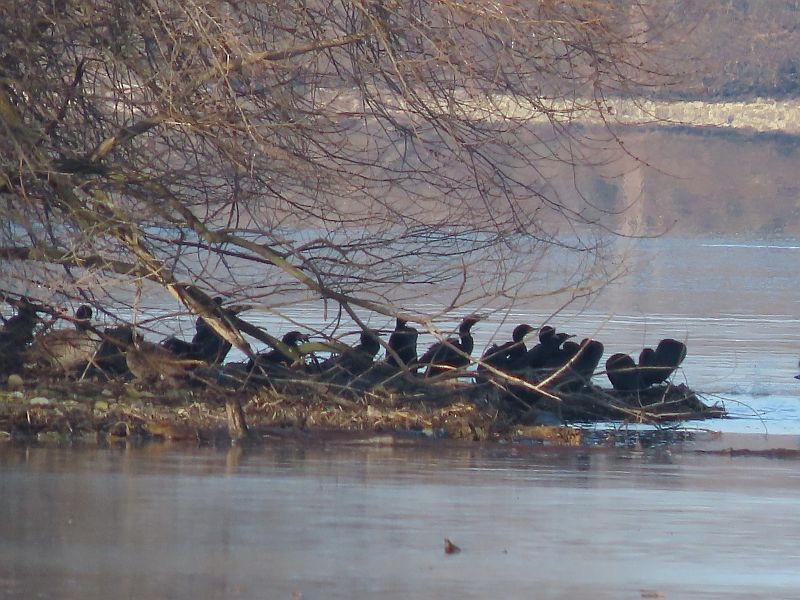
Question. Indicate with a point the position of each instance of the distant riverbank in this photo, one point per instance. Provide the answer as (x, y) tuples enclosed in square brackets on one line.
[(760, 115)]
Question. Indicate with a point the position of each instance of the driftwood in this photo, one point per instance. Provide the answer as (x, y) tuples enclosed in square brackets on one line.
[(519, 402), (361, 394), (299, 402), (785, 453), (659, 404)]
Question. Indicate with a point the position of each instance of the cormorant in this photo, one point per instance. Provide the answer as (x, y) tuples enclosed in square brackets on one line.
[(589, 358), (546, 353), (369, 343), (668, 356), (357, 359), (264, 360), (110, 356), (579, 364), (211, 347), (509, 356), (16, 334), (403, 341), (18, 329), (206, 345), (83, 317), (647, 367), (656, 366), (180, 348), (623, 373), (452, 353)]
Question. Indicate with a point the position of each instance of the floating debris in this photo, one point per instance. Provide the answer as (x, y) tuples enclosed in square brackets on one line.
[(450, 547)]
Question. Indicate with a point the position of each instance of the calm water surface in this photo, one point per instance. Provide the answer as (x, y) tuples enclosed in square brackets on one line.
[(734, 303), (328, 520), (345, 520)]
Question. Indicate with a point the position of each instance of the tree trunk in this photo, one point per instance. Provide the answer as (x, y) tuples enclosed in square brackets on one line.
[(237, 426)]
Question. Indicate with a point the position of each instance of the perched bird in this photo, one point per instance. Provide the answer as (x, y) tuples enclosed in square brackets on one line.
[(545, 354), (656, 366), (403, 341), (589, 358), (369, 343), (452, 353), (668, 356), (579, 364), (211, 346), (206, 345), (110, 356), (83, 317), (67, 350), (647, 367), (509, 356), (153, 363), (355, 360), (264, 360), (180, 348), (19, 328), (623, 373), (16, 334)]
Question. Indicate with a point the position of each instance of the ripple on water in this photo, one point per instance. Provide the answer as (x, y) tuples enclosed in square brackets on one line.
[(343, 521)]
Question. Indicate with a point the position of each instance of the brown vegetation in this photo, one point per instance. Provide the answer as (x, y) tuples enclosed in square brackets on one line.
[(98, 411), (359, 152), (348, 150)]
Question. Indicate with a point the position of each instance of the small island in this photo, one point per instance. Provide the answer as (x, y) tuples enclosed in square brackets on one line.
[(81, 382)]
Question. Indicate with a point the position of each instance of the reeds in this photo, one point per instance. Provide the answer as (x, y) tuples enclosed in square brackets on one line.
[(373, 402)]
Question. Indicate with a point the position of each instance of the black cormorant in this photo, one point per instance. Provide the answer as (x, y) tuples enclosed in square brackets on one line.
[(403, 341), (180, 348), (110, 356), (590, 356), (546, 354), (211, 346), (265, 360), (623, 373), (356, 360), (16, 334), (206, 345), (656, 366), (579, 364), (510, 356), (452, 353), (646, 367)]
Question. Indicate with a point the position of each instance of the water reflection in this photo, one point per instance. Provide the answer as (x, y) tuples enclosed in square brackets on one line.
[(334, 520), (732, 301)]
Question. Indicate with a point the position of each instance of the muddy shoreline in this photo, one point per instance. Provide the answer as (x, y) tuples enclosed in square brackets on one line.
[(112, 411)]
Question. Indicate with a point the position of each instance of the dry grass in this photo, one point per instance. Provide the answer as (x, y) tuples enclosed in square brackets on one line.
[(97, 411)]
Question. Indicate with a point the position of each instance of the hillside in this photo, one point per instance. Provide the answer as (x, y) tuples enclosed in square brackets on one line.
[(726, 161)]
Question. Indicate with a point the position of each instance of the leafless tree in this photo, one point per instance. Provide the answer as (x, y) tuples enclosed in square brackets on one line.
[(359, 151)]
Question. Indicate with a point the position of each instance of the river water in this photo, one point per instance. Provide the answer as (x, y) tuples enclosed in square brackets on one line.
[(325, 519), (733, 302), (368, 519)]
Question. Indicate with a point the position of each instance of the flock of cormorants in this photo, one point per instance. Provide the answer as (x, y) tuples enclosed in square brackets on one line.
[(555, 363)]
